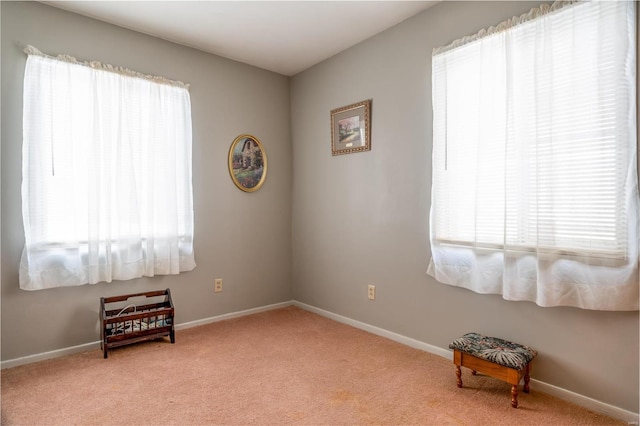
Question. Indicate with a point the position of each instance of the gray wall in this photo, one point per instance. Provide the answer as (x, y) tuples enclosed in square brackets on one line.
[(362, 218), (357, 219), (232, 227)]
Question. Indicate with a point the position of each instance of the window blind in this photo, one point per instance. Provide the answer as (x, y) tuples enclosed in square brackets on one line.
[(106, 190), (534, 138), (535, 181)]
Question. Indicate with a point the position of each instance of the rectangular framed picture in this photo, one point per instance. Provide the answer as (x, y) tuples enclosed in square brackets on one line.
[(351, 128)]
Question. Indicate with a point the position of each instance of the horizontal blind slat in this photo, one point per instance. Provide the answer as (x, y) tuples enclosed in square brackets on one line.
[(560, 177)]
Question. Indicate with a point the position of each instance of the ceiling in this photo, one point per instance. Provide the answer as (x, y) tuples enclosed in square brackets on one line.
[(286, 37)]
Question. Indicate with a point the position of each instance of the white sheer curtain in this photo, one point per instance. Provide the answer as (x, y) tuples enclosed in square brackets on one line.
[(106, 190), (535, 187)]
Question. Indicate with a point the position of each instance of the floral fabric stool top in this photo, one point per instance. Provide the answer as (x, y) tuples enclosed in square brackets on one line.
[(494, 357)]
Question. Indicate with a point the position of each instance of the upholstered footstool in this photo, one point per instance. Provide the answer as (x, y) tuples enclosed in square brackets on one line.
[(494, 357)]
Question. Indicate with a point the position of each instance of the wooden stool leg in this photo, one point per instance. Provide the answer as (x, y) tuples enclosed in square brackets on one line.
[(514, 396), (459, 376), (526, 380)]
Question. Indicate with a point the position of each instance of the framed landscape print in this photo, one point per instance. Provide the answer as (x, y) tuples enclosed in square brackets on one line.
[(247, 163), (351, 128)]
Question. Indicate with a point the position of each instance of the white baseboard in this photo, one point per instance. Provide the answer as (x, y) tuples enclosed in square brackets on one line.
[(233, 315), (581, 400), (564, 394), (96, 345), (589, 403), (49, 355), (408, 341)]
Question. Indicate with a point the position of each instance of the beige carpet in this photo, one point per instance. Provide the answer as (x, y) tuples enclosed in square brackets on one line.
[(286, 366)]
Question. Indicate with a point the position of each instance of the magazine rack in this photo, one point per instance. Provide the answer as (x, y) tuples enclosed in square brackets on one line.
[(125, 321)]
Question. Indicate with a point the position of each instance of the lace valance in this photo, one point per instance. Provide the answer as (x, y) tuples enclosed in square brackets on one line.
[(30, 50), (536, 12)]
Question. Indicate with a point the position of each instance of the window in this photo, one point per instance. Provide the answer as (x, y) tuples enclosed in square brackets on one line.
[(106, 188), (535, 192)]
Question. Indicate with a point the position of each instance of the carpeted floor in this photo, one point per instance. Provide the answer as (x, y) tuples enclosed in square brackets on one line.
[(286, 366)]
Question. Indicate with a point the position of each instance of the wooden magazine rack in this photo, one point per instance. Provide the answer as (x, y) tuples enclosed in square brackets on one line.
[(125, 321)]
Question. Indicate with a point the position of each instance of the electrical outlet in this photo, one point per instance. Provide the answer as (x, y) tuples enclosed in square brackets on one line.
[(217, 285), (371, 292)]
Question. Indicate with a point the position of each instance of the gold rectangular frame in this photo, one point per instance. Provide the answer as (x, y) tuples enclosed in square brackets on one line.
[(351, 128)]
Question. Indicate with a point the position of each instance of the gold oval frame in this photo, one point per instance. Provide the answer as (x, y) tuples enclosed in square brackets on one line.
[(243, 160)]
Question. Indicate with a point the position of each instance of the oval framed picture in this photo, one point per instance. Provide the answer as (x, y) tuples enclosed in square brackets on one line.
[(247, 163)]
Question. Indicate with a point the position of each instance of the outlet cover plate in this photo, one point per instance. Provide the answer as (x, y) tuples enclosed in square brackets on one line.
[(371, 292)]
